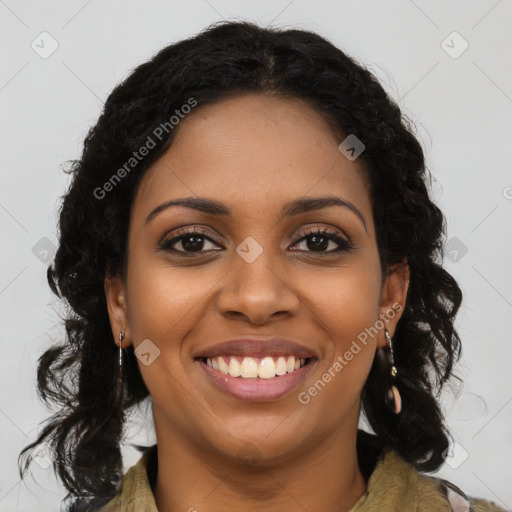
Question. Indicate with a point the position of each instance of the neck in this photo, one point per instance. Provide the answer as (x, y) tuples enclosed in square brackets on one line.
[(326, 476)]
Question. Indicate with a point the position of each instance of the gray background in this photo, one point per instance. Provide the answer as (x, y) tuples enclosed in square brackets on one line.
[(460, 101)]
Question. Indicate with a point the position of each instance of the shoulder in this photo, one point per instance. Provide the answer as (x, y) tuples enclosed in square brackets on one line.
[(481, 505), (460, 501), (456, 498), (394, 483), (134, 492)]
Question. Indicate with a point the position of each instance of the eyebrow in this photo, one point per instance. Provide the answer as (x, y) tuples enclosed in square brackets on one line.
[(296, 207)]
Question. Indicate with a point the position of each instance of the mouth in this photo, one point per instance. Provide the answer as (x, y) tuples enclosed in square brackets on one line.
[(266, 367), (256, 379)]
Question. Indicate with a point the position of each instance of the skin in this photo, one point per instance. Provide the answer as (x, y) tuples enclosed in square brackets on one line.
[(254, 153)]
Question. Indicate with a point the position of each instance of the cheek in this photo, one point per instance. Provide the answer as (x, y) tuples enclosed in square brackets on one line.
[(344, 305), (346, 300), (164, 304), (162, 298), (160, 315)]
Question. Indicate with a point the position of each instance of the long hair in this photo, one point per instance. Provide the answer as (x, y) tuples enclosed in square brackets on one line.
[(78, 375)]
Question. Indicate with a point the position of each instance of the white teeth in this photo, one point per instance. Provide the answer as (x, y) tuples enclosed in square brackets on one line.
[(223, 367), (281, 366), (267, 368), (250, 369), (234, 367)]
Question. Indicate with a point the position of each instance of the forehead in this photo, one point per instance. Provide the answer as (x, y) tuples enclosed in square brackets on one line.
[(254, 151)]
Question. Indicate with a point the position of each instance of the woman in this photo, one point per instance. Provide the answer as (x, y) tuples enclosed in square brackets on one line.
[(248, 240)]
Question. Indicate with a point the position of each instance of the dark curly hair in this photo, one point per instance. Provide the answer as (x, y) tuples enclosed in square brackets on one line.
[(229, 58)]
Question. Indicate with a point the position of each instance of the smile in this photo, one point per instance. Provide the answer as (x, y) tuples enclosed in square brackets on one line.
[(256, 367), (257, 379)]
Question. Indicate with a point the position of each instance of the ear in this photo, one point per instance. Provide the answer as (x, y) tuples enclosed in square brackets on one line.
[(115, 295), (393, 297)]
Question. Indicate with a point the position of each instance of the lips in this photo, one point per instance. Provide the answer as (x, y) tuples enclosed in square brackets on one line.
[(257, 347)]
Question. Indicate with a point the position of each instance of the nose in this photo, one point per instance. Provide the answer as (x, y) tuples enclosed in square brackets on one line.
[(257, 291)]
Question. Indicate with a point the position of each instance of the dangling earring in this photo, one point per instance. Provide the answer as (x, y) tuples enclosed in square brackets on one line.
[(394, 399), (120, 367)]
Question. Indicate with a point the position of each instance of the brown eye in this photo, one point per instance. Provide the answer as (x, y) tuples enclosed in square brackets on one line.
[(192, 241), (318, 240)]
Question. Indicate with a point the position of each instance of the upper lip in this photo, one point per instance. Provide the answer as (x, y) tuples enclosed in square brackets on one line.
[(257, 347)]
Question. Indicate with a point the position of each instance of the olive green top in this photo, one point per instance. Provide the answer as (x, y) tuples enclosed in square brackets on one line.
[(393, 485)]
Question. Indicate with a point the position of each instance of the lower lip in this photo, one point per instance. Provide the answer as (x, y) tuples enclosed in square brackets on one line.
[(256, 389)]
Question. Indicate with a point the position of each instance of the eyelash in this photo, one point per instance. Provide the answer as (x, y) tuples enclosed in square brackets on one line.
[(344, 243)]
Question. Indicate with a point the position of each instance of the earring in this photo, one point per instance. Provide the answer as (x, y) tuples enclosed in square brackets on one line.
[(120, 367), (394, 399)]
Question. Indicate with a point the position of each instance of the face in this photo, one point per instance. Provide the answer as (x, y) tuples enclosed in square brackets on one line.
[(311, 275)]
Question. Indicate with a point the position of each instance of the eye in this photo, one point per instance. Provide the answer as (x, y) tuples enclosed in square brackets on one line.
[(320, 238), (316, 241), (191, 241)]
